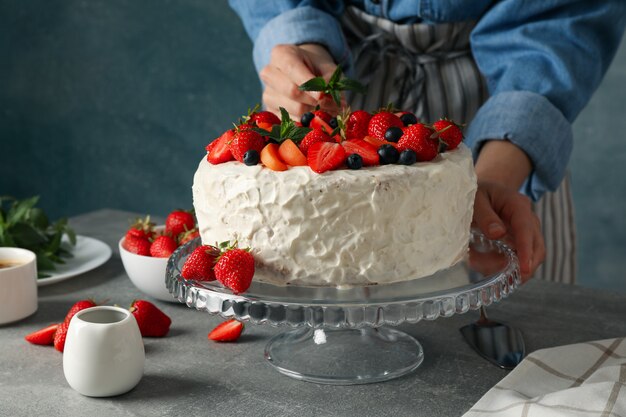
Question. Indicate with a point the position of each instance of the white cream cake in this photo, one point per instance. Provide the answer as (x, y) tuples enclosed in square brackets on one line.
[(375, 225)]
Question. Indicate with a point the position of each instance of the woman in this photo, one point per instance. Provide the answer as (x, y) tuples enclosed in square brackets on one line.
[(517, 73)]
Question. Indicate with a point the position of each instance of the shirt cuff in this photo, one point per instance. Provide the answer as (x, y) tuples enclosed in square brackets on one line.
[(531, 122), (298, 26)]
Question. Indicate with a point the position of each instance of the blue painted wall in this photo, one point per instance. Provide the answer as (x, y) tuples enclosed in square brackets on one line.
[(110, 104)]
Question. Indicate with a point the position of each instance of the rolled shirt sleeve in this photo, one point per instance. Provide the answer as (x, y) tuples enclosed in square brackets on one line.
[(271, 23), (542, 61)]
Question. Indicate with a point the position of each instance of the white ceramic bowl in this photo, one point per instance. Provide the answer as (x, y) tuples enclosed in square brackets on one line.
[(147, 273)]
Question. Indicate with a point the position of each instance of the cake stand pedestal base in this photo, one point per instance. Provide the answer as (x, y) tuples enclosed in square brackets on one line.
[(344, 356)]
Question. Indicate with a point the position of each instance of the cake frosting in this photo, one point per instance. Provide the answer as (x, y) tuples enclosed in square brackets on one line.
[(375, 225)]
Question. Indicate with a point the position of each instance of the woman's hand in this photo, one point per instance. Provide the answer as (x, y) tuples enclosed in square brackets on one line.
[(289, 67), (500, 211)]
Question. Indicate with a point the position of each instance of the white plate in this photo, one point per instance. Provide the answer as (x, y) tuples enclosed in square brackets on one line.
[(88, 254)]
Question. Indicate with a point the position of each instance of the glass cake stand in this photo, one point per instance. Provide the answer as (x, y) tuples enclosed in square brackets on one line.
[(339, 335)]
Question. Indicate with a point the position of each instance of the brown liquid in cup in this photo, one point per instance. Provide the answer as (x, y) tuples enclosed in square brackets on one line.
[(8, 263)]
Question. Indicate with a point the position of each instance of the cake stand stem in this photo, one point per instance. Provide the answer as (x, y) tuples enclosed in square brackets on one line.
[(344, 356)]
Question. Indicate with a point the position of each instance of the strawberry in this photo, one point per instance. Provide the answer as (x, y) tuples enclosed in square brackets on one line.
[(228, 331), (152, 321), (137, 245), (199, 265), (78, 306), (418, 137), (218, 150), (319, 123), (179, 221), (264, 119), (235, 269), (244, 140), (325, 116), (44, 336), (314, 136), (380, 122), (141, 228), (368, 152), (324, 156), (449, 133), (188, 236), (60, 335), (163, 246), (357, 125)]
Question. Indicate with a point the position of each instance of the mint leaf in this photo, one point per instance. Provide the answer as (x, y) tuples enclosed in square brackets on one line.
[(314, 84), (335, 77), (352, 85)]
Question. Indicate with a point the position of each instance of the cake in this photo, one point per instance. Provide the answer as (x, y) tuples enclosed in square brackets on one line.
[(343, 227)]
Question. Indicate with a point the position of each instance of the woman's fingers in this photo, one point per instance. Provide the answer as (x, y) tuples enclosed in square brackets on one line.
[(281, 85), (485, 217), (499, 207)]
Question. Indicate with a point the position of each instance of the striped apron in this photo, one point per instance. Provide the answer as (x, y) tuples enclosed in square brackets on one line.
[(429, 69)]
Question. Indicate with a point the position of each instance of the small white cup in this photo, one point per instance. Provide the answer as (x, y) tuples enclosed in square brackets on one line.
[(104, 354), (18, 284)]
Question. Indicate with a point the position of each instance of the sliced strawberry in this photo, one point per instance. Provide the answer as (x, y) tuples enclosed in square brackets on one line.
[(271, 158), (228, 331), (264, 119), (291, 154), (218, 150), (325, 156), (377, 143), (319, 123), (367, 151), (325, 116), (44, 336)]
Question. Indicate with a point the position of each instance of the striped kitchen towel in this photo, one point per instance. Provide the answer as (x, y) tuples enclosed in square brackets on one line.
[(585, 379)]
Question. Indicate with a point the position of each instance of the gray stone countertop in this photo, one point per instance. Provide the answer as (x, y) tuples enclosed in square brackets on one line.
[(185, 374)]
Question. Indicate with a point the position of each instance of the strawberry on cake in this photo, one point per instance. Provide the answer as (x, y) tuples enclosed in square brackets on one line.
[(358, 199)]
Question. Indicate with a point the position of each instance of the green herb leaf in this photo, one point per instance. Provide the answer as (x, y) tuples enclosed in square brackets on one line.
[(27, 236), (19, 210), (352, 85), (314, 84)]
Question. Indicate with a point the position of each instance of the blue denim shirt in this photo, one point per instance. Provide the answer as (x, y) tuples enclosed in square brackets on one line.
[(542, 60)]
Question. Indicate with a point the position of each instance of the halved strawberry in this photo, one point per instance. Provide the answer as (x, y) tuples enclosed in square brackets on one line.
[(228, 331), (291, 154), (271, 158), (325, 156), (377, 143), (264, 119), (321, 124), (44, 336), (367, 151), (218, 150)]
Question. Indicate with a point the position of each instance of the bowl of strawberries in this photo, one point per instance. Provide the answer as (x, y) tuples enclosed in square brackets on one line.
[(146, 247)]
